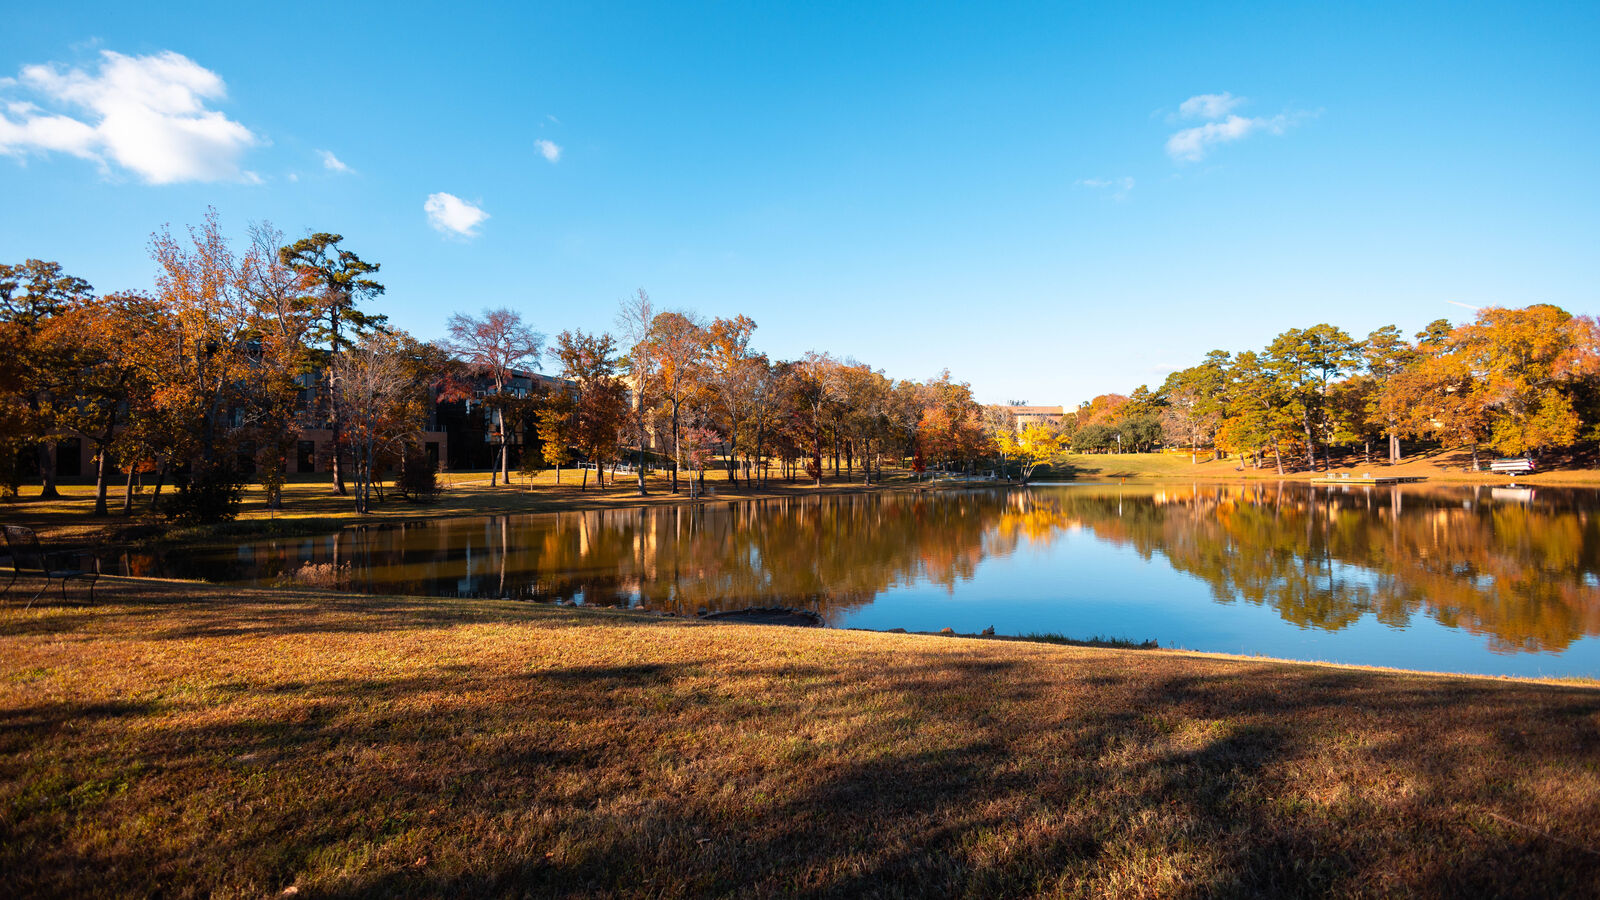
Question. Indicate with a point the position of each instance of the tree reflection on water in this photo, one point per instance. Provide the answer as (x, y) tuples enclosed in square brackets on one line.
[(1517, 567)]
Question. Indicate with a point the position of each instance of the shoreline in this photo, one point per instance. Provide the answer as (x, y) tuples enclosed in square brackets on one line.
[(246, 742), (1120, 645)]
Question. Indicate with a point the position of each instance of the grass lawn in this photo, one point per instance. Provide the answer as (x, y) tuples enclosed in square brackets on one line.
[(310, 504), (1441, 465), (188, 741)]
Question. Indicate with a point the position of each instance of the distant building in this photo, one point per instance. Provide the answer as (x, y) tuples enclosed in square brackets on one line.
[(456, 435), (1037, 415)]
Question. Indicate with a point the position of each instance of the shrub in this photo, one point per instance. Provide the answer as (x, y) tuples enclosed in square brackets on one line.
[(211, 496), (419, 480)]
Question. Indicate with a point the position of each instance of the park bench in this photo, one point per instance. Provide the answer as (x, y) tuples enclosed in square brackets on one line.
[(1518, 466), (29, 558)]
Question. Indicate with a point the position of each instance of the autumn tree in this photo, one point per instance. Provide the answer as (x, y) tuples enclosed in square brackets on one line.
[(1304, 361), (729, 378), (200, 369), (1034, 446), (1522, 358), (812, 392), (94, 347), (338, 280), (1196, 401), (769, 387), (1386, 354), (1441, 398), (495, 346), (677, 348), (1258, 415), (32, 293), (1353, 413), (600, 407), (557, 422)]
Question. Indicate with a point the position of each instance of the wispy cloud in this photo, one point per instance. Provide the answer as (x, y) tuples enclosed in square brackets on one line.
[(550, 150), (1119, 187), (1225, 126), (333, 163), (146, 114), (1209, 106), (1192, 144), (452, 215)]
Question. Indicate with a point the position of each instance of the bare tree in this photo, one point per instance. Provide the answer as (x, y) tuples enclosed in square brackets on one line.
[(284, 316), (496, 345), (633, 324), (371, 389)]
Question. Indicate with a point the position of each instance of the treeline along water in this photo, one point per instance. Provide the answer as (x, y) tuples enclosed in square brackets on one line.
[(1478, 579)]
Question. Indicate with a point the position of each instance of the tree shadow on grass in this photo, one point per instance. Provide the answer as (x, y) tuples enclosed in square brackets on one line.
[(968, 769)]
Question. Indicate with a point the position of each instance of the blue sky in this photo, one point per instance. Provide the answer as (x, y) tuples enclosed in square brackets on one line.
[(1053, 201)]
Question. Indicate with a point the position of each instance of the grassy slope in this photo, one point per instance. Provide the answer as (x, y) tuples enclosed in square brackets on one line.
[(351, 746), (1444, 465)]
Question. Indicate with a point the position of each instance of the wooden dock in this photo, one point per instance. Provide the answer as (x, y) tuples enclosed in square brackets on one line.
[(1370, 479)]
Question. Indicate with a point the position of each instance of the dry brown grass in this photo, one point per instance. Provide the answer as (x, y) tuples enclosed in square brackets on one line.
[(186, 741)]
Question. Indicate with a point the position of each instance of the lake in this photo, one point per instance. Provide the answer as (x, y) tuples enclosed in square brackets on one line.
[(1489, 580)]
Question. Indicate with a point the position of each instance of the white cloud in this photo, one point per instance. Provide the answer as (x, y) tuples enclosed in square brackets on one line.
[(550, 150), (1191, 144), (333, 163), (1209, 106), (146, 114), (1119, 187), (452, 215)]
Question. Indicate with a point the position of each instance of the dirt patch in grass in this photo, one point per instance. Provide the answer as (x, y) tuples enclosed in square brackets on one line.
[(189, 741)]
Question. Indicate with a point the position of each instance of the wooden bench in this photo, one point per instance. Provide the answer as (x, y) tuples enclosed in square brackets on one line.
[(29, 558), (1519, 466)]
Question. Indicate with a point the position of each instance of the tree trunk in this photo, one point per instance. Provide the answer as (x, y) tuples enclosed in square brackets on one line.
[(505, 450), (47, 470), (161, 479), (101, 472), (337, 465), (1278, 456), (674, 446), (1311, 446), (1394, 447), (127, 496), (639, 407)]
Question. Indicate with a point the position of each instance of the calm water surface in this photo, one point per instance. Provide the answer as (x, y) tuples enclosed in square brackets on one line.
[(1489, 580)]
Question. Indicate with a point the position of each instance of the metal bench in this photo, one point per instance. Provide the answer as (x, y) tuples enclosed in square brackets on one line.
[(29, 558), (1518, 466)]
